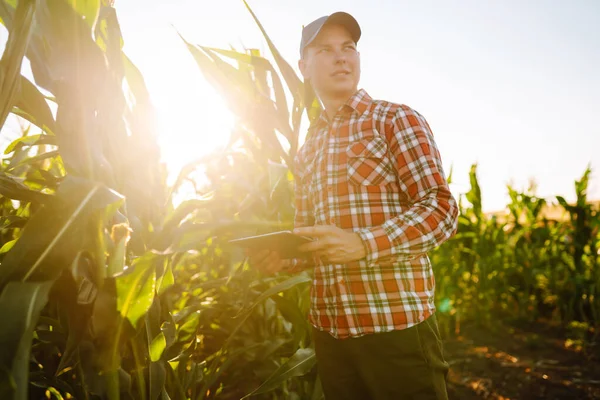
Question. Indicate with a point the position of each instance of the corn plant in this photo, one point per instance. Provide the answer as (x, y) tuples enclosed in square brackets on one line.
[(65, 243), (582, 247), (268, 130), (526, 266), (111, 292)]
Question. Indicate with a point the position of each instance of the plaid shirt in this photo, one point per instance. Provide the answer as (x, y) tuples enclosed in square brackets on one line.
[(374, 170)]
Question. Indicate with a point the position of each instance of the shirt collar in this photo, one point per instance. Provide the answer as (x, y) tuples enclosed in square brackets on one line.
[(359, 102)]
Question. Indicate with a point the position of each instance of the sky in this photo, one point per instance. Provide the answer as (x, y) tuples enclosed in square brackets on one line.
[(511, 85)]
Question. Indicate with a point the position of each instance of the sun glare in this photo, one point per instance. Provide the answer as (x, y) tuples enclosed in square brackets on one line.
[(193, 118)]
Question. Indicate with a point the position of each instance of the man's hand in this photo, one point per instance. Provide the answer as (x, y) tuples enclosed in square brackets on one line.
[(332, 244), (267, 261)]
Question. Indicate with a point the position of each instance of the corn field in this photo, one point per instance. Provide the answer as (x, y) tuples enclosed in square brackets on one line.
[(110, 290)]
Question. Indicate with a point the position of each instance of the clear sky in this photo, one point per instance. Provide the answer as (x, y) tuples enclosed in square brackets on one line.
[(512, 85)]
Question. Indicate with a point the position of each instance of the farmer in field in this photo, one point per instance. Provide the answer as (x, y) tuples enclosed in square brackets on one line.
[(371, 189)]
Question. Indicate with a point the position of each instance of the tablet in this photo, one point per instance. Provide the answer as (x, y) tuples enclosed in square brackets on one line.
[(283, 242)]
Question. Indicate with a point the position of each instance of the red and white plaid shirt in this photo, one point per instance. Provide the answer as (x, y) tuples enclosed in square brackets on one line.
[(375, 170)]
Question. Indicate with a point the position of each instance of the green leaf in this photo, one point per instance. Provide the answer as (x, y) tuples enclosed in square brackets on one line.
[(12, 58), (12, 221), (281, 287), (250, 59), (135, 295), (182, 211), (20, 306), (474, 194), (11, 3), (7, 13), (55, 393), (76, 304), (187, 330), (449, 178), (34, 159), (318, 390), (157, 376), (216, 76), (190, 237), (301, 363), (12, 188), (88, 9), (291, 79), (268, 349), (30, 140), (116, 261), (59, 230), (157, 347), (33, 107), (303, 94), (262, 66), (561, 200), (290, 311), (165, 281), (136, 81), (7, 246), (135, 291), (243, 96)]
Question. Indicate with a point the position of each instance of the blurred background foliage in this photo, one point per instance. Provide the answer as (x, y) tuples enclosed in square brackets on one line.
[(110, 289)]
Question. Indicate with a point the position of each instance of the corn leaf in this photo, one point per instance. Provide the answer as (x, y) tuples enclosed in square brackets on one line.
[(301, 363), (20, 306), (157, 347), (290, 77), (262, 65), (12, 188), (303, 94), (31, 105), (30, 140), (166, 280), (88, 9), (52, 238), (7, 12), (7, 246), (12, 58), (136, 290), (243, 96), (34, 159), (280, 287)]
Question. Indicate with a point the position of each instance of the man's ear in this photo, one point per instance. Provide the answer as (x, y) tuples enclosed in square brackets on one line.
[(302, 67)]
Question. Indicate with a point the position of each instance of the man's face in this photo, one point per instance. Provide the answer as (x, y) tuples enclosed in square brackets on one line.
[(332, 63)]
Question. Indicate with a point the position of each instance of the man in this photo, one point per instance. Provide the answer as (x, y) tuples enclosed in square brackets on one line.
[(371, 189)]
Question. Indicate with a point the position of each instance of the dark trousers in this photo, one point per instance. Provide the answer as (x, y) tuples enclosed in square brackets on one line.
[(402, 364)]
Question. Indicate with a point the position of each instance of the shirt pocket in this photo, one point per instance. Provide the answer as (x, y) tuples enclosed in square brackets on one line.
[(368, 163)]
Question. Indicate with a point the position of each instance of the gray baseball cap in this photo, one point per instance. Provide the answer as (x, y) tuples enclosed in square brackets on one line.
[(310, 31)]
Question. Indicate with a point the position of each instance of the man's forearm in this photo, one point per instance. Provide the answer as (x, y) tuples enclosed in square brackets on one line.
[(423, 227)]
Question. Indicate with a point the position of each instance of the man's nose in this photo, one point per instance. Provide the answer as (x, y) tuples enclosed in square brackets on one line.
[(339, 57)]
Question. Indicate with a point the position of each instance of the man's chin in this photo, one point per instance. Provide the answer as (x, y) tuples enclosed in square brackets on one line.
[(341, 90)]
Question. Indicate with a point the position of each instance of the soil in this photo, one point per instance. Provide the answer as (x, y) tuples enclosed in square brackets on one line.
[(522, 361)]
